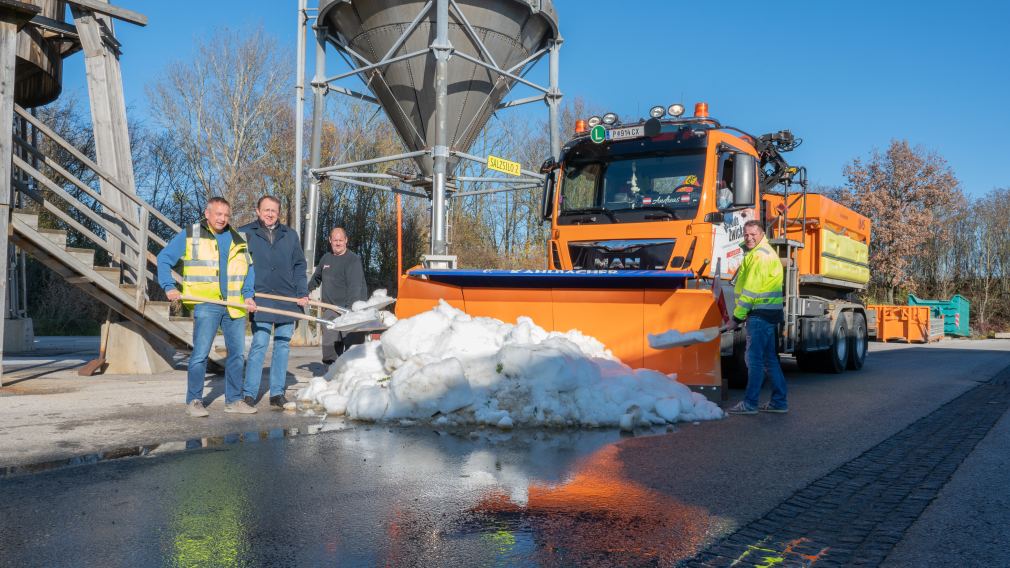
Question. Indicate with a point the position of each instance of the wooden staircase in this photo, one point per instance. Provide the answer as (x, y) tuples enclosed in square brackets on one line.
[(125, 234)]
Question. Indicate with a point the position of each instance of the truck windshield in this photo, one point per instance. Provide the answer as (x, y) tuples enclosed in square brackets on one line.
[(634, 189)]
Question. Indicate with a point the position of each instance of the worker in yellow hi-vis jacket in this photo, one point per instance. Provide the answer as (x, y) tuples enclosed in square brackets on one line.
[(758, 293)]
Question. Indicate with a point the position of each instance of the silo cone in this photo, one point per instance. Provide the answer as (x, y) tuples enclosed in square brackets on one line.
[(511, 30)]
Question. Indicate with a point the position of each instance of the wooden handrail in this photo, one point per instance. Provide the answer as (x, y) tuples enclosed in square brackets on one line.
[(114, 182), (126, 239), (80, 184)]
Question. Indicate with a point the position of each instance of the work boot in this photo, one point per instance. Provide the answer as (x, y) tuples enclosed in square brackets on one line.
[(239, 407), (196, 410), (250, 401), (278, 402)]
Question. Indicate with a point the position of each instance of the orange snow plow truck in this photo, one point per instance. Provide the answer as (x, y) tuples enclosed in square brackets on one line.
[(646, 232)]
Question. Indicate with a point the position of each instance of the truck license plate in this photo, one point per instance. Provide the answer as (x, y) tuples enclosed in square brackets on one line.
[(626, 132)]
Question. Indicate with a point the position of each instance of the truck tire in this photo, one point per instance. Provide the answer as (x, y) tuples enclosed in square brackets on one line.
[(836, 358), (858, 341), (734, 367)]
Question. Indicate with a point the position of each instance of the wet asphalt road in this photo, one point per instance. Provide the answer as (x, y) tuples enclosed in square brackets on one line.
[(370, 495)]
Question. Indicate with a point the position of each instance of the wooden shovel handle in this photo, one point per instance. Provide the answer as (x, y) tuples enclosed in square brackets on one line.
[(298, 315), (337, 309)]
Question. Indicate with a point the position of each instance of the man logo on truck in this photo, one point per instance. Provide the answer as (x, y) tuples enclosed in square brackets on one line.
[(616, 263)]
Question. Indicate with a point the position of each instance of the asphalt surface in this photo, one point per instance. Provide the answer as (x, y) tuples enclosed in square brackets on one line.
[(920, 419), (50, 414)]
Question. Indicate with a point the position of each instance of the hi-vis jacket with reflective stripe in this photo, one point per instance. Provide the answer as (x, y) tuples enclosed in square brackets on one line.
[(758, 281), (201, 267)]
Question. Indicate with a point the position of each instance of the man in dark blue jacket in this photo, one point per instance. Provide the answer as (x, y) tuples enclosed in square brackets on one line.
[(280, 269)]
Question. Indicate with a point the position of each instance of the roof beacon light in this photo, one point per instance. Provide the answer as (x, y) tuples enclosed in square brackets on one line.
[(593, 121), (580, 126), (701, 110), (676, 109), (657, 112), (610, 119)]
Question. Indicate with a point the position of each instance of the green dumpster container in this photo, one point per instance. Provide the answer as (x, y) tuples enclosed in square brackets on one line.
[(954, 312)]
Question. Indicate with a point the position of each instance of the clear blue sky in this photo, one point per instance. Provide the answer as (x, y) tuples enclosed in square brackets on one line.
[(847, 77)]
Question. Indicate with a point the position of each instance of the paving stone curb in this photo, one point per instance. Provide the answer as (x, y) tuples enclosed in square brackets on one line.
[(856, 514)]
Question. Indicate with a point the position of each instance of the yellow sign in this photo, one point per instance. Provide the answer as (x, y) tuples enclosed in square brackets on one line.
[(503, 165)]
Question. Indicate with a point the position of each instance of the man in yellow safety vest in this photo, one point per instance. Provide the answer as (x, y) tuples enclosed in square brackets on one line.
[(758, 294), (215, 266)]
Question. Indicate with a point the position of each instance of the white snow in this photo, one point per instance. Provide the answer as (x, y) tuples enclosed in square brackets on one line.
[(379, 299), (367, 315), (674, 338), (448, 368)]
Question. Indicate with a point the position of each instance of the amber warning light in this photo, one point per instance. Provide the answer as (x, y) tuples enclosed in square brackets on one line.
[(701, 110), (580, 126)]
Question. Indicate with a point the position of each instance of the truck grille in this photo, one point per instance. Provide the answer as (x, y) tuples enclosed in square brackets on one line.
[(639, 254)]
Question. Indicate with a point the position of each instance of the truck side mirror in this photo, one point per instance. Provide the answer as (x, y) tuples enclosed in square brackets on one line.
[(744, 181), (547, 203), (548, 165)]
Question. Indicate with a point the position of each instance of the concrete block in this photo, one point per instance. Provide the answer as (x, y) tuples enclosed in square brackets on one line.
[(132, 350), (1003, 335), (19, 335)]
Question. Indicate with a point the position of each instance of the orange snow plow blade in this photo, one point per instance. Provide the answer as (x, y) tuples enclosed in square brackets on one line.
[(620, 308)]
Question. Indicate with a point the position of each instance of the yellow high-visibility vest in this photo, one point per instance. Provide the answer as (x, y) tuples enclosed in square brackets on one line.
[(201, 267), (758, 281)]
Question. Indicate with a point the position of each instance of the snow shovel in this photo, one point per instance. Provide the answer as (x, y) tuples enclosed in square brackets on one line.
[(328, 323), (377, 305), (323, 305), (673, 338)]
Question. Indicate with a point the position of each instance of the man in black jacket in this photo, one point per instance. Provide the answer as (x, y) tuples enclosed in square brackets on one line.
[(343, 281), (277, 253)]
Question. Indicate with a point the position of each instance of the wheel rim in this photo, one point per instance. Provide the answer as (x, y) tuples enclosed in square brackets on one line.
[(860, 346), (841, 347)]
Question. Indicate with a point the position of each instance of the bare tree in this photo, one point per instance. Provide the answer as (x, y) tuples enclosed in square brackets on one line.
[(221, 107)]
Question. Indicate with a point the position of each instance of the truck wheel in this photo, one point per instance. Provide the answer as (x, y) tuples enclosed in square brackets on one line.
[(836, 358), (734, 367), (858, 342)]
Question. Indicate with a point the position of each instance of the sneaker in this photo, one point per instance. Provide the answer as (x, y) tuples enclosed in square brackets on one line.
[(278, 402), (196, 410), (250, 401), (767, 407), (742, 408), (239, 407)]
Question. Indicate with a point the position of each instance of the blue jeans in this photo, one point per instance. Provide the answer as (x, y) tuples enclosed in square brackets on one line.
[(278, 363), (207, 318), (762, 357)]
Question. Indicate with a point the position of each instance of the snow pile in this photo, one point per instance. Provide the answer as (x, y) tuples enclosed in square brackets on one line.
[(449, 368), (674, 338)]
